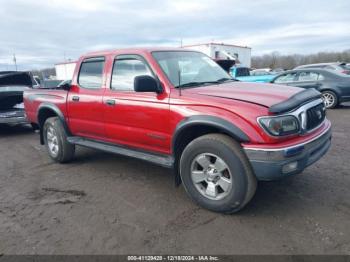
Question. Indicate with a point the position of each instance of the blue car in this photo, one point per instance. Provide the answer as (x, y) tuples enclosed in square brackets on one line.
[(244, 74)]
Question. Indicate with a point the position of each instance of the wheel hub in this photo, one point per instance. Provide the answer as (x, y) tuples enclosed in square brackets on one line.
[(211, 176)]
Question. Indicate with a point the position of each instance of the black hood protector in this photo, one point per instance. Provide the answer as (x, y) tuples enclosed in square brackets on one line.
[(295, 101)]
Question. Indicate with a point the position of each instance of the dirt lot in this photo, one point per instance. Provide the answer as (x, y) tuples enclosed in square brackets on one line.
[(103, 203)]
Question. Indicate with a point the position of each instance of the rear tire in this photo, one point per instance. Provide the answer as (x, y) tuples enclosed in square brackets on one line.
[(330, 99), (55, 139), (217, 174)]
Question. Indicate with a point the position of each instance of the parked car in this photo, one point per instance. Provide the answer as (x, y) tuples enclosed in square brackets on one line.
[(260, 72), (334, 86), (12, 85), (340, 67), (243, 74), (181, 110)]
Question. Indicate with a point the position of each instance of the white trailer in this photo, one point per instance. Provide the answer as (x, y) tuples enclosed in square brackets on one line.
[(217, 51), (65, 70)]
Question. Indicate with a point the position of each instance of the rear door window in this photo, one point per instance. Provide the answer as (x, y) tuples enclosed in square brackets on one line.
[(310, 77), (307, 76), (91, 73)]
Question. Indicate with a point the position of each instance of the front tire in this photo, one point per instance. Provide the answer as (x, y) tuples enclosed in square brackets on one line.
[(217, 174), (330, 99), (55, 139)]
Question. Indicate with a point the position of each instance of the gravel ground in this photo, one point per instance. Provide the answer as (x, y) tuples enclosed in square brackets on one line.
[(107, 204)]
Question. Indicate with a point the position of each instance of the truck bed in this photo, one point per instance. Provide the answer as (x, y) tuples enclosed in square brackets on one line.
[(33, 98)]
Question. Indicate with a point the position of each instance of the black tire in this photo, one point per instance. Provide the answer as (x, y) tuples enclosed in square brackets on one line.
[(332, 95), (244, 182), (65, 150)]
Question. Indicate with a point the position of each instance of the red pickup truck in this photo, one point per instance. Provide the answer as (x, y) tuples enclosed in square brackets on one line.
[(179, 109)]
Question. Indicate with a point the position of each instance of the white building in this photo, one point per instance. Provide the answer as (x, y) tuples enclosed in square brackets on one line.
[(65, 70), (242, 54)]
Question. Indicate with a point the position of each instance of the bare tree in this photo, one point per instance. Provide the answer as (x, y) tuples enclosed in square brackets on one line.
[(276, 60)]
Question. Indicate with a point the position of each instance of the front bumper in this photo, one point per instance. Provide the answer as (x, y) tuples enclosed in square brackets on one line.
[(273, 164)]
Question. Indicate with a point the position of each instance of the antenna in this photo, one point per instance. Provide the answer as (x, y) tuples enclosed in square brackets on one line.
[(15, 61), (179, 74)]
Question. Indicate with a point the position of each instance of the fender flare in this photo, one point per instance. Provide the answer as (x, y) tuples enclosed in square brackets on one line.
[(58, 112), (212, 121)]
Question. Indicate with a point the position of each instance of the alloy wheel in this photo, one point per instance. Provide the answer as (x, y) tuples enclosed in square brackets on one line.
[(52, 141), (328, 99), (211, 176)]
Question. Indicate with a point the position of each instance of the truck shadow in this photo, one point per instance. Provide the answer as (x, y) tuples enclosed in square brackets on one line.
[(15, 130), (276, 197)]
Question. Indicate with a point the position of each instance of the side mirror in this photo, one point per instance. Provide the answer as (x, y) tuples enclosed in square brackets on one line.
[(65, 86), (146, 83)]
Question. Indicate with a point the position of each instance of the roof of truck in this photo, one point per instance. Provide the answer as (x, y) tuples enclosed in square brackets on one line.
[(221, 44), (135, 50)]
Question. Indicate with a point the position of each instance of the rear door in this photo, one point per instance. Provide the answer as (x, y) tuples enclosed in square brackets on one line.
[(84, 102)]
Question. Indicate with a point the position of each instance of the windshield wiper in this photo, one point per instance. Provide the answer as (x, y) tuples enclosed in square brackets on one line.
[(219, 81), (225, 79), (193, 84)]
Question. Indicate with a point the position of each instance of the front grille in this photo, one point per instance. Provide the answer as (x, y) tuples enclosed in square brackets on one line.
[(315, 116)]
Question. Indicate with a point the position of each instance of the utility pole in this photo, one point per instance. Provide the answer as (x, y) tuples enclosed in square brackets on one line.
[(15, 61), (65, 66)]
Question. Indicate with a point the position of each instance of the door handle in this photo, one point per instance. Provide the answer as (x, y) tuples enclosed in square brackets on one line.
[(75, 98), (110, 102)]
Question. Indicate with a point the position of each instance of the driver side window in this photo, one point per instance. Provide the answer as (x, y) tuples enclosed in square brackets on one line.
[(125, 71)]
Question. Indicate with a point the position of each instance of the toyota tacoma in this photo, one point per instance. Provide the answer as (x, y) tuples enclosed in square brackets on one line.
[(179, 109)]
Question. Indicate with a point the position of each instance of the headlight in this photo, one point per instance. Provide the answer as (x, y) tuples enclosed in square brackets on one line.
[(280, 126)]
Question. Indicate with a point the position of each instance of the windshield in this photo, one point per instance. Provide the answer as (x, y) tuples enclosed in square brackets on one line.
[(185, 69)]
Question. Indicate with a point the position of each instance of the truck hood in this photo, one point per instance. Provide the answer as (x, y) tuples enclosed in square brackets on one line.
[(261, 94)]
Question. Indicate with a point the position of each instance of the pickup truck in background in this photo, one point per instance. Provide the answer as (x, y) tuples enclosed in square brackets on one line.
[(12, 85), (244, 74), (179, 109)]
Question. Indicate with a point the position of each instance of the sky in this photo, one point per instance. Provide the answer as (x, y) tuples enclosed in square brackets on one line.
[(44, 32)]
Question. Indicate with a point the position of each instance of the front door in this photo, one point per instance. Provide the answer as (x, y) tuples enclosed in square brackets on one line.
[(135, 119), (85, 107), (286, 79)]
